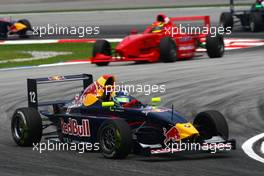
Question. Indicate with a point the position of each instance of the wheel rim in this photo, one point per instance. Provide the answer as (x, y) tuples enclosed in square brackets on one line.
[(221, 47), (221, 23), (108, 139), (252, 26), (173, 52), (205, 128), (20, 126)]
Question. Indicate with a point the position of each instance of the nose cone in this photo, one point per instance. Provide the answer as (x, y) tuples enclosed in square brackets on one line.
[(186, 130)]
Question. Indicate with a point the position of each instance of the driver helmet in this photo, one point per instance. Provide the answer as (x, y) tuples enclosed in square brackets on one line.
[(157, 27), (162, 18), (121, 98)]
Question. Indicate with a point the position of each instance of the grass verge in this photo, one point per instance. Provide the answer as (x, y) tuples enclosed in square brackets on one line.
[(79, 51)]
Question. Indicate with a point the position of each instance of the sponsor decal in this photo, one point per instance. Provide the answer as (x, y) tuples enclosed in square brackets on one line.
[(154, 110), (56, 78), (183, 48), (171, 135), (74, 129), (185, 39)]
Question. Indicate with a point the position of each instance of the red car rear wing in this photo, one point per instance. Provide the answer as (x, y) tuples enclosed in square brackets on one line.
[(205, 19)]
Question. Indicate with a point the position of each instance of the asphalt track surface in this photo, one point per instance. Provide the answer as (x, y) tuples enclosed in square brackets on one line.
[(43, 5), (115, 24), (232, 84)]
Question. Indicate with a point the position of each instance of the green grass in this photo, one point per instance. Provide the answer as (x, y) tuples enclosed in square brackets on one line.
[(6, 55), (9, 52)]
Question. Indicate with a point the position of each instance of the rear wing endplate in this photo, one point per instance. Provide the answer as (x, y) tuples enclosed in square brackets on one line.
[(32, 85)]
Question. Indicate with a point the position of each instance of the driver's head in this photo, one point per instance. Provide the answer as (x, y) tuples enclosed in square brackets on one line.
[(259, 1), (121, 98)]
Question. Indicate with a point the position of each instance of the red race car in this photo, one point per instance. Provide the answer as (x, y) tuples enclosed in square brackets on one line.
[(162, 41)]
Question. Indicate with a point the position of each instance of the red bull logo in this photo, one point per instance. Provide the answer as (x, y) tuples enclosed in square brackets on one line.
[(56, 78), (72, 128), (171, 135)]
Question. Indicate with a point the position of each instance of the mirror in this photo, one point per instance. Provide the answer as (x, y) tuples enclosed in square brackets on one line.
[(108, 104), (155, 100), (133, 31)]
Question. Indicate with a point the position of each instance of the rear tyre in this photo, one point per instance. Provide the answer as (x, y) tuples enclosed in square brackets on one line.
[(168, 50), (227, 21), (23, 33), (26, 126), (115, 139), (103, 47), (211, 123), (3, 30), (255, 22), (215, 46)]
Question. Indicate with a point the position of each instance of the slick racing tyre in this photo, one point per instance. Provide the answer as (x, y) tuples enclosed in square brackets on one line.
[(215, 46), (26, 126), (168, 50), (23, 33), (211, 123), (103, 47), (115, 139), (255, 22), (227, 21)]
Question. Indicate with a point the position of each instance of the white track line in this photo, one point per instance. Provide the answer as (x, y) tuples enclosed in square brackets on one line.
[(247, 147), (262, 147)]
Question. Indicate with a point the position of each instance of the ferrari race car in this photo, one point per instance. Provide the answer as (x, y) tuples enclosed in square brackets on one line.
[(10, 27), (252, 19), (120, 123), (167, 45)]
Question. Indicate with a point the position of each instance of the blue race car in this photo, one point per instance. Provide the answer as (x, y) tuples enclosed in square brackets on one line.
[(120, 123)]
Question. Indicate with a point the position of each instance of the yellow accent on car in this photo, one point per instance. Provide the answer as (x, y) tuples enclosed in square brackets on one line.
[(101, 81), (89, 99), (108, 104), (20, 26), (186, 130), (155, 99)]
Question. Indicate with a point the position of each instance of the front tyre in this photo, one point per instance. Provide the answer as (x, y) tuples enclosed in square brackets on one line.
[(115, 139), (255, 22), (26, 126), (215, 46), (211, 123), (102, 47), (168, 50)]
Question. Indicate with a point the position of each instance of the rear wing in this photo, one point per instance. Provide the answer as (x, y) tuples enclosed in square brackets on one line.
[(32, 86)]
